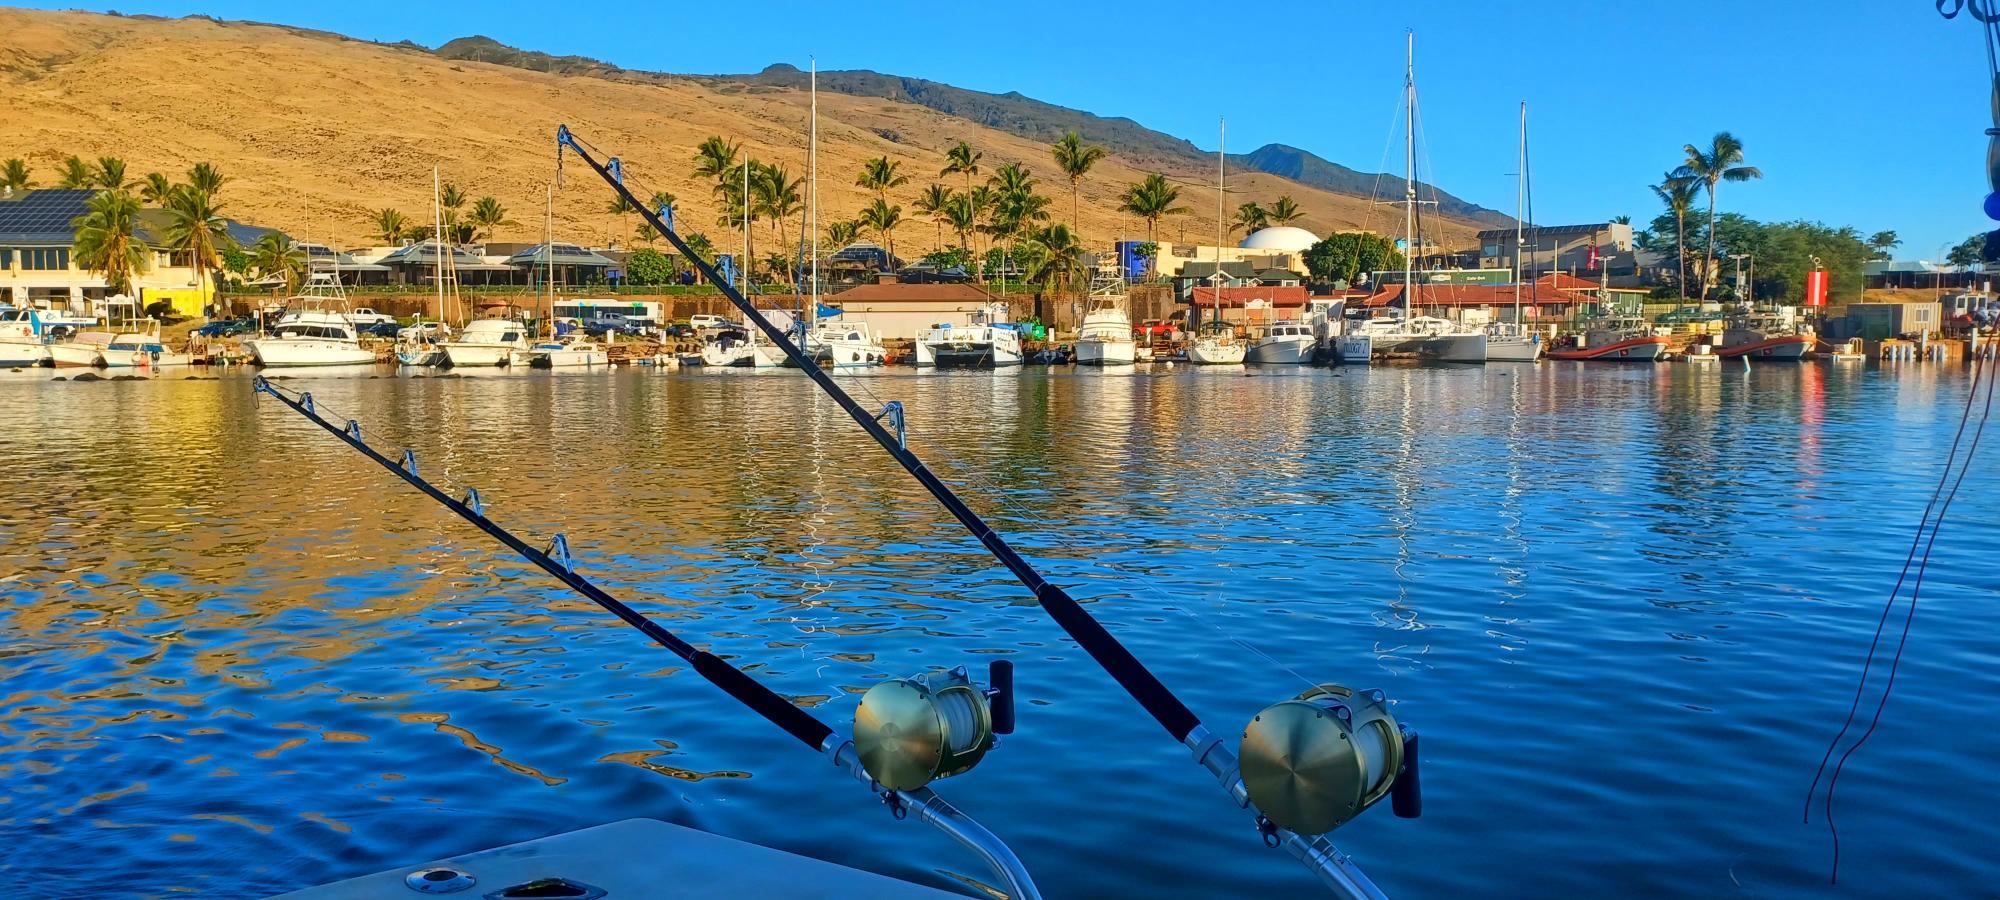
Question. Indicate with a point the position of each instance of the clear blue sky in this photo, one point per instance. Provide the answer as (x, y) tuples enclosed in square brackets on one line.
[(1868, 113)]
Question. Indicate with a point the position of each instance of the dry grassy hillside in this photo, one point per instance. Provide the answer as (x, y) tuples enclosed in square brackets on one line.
[(317, 131)]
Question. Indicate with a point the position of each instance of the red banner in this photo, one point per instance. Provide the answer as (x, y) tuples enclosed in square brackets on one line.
[(1592, 264), (1816, 288)]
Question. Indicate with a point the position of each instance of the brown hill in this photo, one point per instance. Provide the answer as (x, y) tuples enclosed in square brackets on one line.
[(316, 131)]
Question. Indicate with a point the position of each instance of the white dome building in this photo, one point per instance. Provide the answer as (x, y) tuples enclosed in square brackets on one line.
[(1280, 239)]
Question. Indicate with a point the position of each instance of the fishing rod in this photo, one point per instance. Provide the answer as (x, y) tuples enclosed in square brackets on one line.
[(1307, 765), (846, 755)]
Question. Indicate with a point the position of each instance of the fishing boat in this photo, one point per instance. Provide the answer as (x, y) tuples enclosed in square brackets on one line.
[(564, 353), (1614, 339), (1105, 337), (844, 345), (24, 342), (1765, 335), (83, 350), (1287, 343), (988, 340), (486, 343), (1409, 334), (1514, 341), (313, 331)]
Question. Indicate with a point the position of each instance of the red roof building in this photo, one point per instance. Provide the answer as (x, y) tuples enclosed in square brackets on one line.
[(1237, 297), (1550, 303)]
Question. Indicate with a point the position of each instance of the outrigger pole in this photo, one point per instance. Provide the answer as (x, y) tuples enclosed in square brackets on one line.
[(809, 730), (1335, 869)]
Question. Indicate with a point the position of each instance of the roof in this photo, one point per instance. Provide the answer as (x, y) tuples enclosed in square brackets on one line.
[(565, 255), (1234, 268), (42, 216), (1281, 238), (1241, 296), (1277, 275), (1563, 281), (1594, 228), (928, 292), (1473, 295), (425, 255)]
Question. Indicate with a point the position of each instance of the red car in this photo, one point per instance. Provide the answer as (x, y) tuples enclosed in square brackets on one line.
[(1153, 327)]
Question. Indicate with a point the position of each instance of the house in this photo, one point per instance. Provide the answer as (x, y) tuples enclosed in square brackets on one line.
[(1248, 303), (1918, 273), (1576, 249), (1235, 273), (38, 268), (417, 264), (573, 264), (897, 311), (1879, 321)]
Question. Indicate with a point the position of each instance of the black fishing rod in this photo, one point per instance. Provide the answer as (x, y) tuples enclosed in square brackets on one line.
[(1296, 792), (748, 691)]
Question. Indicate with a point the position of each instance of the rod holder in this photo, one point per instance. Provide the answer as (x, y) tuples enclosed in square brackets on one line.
[(559, 551), (410, 462), (306, 400), (354, 429), (1407, 797), (1000, 693), (472, 502), (893, 411)]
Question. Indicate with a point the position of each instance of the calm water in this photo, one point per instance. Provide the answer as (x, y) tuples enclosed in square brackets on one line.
[(1625, 606)]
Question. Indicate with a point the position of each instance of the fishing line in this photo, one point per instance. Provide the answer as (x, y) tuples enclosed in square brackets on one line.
[(1965, 468)]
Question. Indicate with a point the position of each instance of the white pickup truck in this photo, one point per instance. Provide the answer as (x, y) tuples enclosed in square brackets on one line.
[(365, 316)]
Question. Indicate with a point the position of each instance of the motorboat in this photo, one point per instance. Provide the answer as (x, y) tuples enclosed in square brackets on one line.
[(310, 337), (1105, 337), (1287, 343), (133, 350), (83, 350), (1614, 340), (486, 343), (1512, 342), (563, 354), (988, 340), (1422, 337), (736, 346), (1774, 336), (1217, 346), (844, 346), (24, 341)]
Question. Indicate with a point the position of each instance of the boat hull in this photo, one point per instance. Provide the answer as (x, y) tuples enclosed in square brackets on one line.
[(1361, 349), (20, 356), (1106, 353), (478, 355), (1207, 353), (1647, 349), (569, 359), (1291, 351), (278, 354), (1513, 349), (1790, 348), (75, 356), (1001, 349)]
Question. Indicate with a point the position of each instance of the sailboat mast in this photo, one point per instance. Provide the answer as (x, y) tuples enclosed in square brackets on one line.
[(437, 235), (746, 225), (549, 248), (1221, 160), (1520, 210), (1409, 173), (812, 174)]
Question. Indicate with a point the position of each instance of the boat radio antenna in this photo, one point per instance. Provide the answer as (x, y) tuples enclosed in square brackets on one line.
[(808, 729), (1291, 808)]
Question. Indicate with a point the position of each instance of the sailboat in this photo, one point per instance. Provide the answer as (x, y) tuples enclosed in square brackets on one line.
[(1426, 337), (1513, 341), (1217, 344), (832, 344), (557, 351), (417, 345)]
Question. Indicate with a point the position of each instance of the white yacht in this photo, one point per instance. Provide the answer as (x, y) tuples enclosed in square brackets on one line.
[(23, 340), (844, 346), (1219, 346), (1422, 337), (84, 349), (1511, 342), (987, 341), (1287, 343), (562, 354), (311, 337), (132, 350), (1105, 338), (1514, 341), (486, 342)]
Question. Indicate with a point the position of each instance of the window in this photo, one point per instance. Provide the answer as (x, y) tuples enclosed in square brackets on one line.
[(51, 259), (6, 258)]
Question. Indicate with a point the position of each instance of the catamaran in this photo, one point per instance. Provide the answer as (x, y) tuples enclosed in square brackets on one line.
[(988, 340)]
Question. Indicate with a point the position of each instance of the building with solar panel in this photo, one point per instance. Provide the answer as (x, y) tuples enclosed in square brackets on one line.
[(38, 269)]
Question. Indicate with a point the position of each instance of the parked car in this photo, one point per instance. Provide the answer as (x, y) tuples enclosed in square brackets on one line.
[(227, 327), (387, 329), (599, 326), (1153, 327), (706, 321), (366, 317)]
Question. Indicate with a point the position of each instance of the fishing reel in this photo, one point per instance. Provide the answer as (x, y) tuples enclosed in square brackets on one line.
[(910, 732), (1314, 762)]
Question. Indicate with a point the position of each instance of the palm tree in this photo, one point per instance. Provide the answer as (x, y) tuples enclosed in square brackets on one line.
[(274, 255), (390, 226), (155, 189), (1061, 260), (488, 214), (1152, 200), (882, 219), (110, 174), (1251, 218), (1882, 242), (1720, 161), (962, 160), (203, 177), (14, 175), (644, 233), (776, 195), (714, 158), (1075, 158), (452, 199), (195, 226), (77, 174), (1678, 191), (107, 241), (840, 234), (960, 214), (932, 202), (1285, 212), (880, 174)]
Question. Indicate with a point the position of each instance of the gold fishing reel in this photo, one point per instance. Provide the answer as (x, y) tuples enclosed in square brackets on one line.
[(912, 731), (1313, 763)]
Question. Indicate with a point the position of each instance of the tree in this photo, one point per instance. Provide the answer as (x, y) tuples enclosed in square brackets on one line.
[(1075, 159), (714, 158), (1969, 252), (420, 234), (1346, 256), (702, 248), (77, 174), (1677, 190), (276, 256), (107, 242), (488, 214), (236, 261), (776, 195), (962, 160), (1881, 242), (1720, 161), (1059, 265), (1250, 218), (1285, 212), (962, 217), (110, 174), (1152, 200), (882, 218), (644, 233), (195, 226), (649, 266), (661, 203), (934, 202), (452, 199), (205, 178), (14, 175), (155, 189), (1014, 204), (390, 226), (880, 174), (840, 234)]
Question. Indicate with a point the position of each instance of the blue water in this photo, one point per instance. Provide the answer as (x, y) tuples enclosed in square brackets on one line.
[(1624, 606)]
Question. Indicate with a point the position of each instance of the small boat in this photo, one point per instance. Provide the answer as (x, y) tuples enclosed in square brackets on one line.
[(844, 346), (1105, 337), (736, 346), (1615, 340), (24, 342), (564, 354), (486, 343), (313, 337), (83, 350), (1219, 346), (133, 350), (1509, 342), (1282, 343), (987, 341), (1765, 336)]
